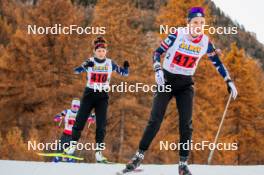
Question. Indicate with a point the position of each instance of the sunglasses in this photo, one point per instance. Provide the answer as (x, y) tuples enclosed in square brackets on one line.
[(76, 106)]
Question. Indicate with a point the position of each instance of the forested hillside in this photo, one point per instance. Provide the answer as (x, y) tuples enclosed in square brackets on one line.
[(37, 79)]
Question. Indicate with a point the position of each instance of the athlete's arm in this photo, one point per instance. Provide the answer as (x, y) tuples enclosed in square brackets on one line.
[(217, 62), (83, 67), (164, 46), (121, 70), (221, 69), (59, 117)]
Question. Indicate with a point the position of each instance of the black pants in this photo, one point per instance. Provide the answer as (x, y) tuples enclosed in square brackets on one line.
[(182, 90), (98, 101), (65, 141)]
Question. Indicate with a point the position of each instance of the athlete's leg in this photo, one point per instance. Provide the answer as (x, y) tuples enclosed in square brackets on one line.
[(160, 102), (101, 115), (64, 142), (87, 103), (184, 100)]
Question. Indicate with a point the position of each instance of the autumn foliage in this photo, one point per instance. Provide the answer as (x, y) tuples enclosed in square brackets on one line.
[(37, 81)]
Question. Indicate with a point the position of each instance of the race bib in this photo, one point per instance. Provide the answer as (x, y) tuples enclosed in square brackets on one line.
[(184, 60), (98, 77)]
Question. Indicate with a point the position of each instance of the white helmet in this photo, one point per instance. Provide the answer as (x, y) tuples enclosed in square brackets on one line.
[(75, 102)]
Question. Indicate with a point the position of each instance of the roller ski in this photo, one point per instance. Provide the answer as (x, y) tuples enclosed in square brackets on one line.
[(61, 157), (65, 156)]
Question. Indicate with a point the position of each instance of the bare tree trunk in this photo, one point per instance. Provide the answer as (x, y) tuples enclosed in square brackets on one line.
[(121, 134)]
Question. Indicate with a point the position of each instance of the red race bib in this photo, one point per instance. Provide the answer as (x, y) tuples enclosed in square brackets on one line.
[(183, 60), (98, 77), (71, 122)]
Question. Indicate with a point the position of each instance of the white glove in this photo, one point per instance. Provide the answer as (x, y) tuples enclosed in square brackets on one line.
[(231, 88), (71, 149), (159, 77)]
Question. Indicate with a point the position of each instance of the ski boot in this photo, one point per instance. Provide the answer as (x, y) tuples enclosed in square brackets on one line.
[(71, 149), (69, 160), (183, 167), (100, 158), (134, 162), (57, 159)]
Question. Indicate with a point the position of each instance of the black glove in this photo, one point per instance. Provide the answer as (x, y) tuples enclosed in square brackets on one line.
[(126, 64), (88, 64), (231, 88), (227, 85)]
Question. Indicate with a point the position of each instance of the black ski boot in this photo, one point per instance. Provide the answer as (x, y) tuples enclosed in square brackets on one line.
[(134, 162), (183, 167)]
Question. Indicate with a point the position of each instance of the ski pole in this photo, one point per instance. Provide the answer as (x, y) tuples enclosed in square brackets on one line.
[(219, 129), (89, 125), (91, 120), (60, 123), (57, 126)]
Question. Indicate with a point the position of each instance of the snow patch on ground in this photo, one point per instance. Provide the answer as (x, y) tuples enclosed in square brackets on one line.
[(9, 167)]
